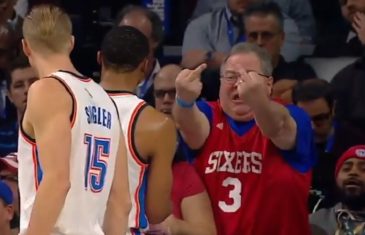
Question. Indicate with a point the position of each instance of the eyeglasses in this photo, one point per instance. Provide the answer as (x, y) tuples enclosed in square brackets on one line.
[(161, 93), (232, 78), (321, 117), (265, 35), (9, 177)]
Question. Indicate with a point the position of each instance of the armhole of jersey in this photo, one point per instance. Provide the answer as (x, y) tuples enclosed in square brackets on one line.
[(116, 108), (22, 131), (74, 103), (131, 132)]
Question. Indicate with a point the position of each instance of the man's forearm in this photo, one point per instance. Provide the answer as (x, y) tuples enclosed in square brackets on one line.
[(270, 116), (190, 121), (48, 204)]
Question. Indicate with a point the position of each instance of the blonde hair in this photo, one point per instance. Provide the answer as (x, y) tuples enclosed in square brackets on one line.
[(48, 29)]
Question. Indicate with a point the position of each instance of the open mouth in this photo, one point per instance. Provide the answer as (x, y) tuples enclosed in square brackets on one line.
[(236, 97)]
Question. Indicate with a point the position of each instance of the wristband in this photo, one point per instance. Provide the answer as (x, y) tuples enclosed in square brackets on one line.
[(184, 104)]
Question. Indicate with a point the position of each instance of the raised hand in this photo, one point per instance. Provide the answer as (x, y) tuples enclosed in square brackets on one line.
[(188, 84), (251, 86), (358, 24)]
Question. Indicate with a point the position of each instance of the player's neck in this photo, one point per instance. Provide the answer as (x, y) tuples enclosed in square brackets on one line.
[(53, 63), (119, 81)]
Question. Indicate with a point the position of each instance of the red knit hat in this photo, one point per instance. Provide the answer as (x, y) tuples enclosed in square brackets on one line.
[(357, 151), (10, 163)]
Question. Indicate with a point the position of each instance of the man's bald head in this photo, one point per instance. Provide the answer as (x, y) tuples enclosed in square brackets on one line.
[(145, 20), (138, 20), (168, 72), (164, 88)]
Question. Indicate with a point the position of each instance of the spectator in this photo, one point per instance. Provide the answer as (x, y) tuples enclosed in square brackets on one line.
[(299, 10), (19, 79), (9, 175), (316, 98), (345, 40), (192, 212), (264, 26), (7, 53), (347, 216), (249, 147), (7, 45), (209, 37), (164, 88), (149, 23), (6, 209), (349, 86)]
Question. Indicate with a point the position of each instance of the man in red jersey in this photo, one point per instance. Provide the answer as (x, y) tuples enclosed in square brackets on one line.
[(254, 154)]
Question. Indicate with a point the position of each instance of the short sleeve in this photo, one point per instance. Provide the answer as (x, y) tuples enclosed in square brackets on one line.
[(206, 109), (303, 156), (190, 182)]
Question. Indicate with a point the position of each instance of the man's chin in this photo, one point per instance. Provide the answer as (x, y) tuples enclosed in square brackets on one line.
[(243, 114), (354, 200)]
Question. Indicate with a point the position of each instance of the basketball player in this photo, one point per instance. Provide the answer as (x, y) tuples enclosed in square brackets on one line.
[(255, 154), (68, 147), (150, 135)]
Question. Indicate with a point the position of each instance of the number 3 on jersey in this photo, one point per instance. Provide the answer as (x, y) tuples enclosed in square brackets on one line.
[(98, 150), (234, 194)]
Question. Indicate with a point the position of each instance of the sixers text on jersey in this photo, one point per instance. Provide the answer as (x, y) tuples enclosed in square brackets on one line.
[(234, 162)]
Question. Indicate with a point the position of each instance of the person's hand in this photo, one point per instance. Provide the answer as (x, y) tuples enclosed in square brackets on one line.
[(188, 84), (159, 229), (358, 23), (251, 86)]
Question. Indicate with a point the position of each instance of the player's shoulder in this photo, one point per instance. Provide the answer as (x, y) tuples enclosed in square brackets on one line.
[(47, 87), (155, 121)]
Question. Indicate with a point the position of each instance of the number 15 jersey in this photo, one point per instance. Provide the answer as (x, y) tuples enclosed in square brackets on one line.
[(95, 133), (254, 189)]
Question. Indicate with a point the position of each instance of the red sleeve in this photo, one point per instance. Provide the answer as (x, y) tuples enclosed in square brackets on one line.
[(186, 183)]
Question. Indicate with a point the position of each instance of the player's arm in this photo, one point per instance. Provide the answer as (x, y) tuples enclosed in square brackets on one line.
[(198, 217), (159, 141), (49, 109), (192, 123), (119, 204)]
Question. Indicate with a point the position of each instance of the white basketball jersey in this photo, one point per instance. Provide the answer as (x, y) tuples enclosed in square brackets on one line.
[(130, 106), (95, 139)]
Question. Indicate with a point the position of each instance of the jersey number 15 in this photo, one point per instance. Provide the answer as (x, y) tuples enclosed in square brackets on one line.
[(98, 150)]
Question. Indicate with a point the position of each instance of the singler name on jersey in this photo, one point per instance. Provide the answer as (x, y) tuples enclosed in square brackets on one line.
[(99, 116), (234, 162)]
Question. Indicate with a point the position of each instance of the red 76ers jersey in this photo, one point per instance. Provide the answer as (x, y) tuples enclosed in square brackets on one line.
[(253, 188)]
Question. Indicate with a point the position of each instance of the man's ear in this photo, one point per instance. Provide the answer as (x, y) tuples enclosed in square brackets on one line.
[(72, 44), (8, 94), (98, 57), (144, 65), (26, 49), (9, 212)]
